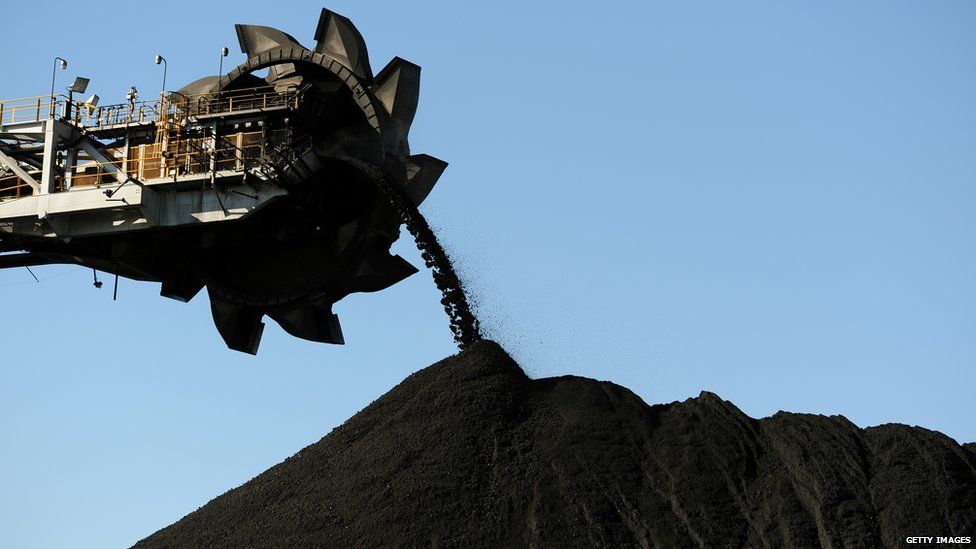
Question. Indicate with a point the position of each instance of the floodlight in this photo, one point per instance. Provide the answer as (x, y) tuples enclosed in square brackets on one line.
[(80, 85), (91, 103)]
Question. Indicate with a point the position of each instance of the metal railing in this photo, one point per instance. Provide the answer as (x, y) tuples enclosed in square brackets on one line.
[(265, 97), (30, 109), (169, 107), (167, 158), (116, 115), (148, 163), (36, 109), (12, 187)]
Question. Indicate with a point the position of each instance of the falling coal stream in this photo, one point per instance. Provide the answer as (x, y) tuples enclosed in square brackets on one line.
[(464, 324)]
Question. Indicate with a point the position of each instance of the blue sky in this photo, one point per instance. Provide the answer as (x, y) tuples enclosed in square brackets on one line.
[(772, 201)]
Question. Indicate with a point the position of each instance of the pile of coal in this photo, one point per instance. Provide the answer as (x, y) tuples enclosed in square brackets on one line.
[(471, 452)]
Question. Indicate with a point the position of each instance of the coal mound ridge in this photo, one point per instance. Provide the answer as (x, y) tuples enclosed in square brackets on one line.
[(471, 452)]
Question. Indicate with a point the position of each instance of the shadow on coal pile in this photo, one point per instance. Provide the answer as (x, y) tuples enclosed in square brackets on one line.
[(471, 452)]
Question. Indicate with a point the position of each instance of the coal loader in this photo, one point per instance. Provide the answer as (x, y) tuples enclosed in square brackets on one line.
[(279, 186)]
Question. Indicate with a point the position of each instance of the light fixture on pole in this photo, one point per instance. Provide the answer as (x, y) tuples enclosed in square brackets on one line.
[(161, 59), (79, 86), (63, 64), (220, 71)]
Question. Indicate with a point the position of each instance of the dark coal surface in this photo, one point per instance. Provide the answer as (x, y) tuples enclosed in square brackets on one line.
[(470, 452)]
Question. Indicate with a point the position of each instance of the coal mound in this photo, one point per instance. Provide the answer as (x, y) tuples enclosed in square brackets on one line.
[(471, 452)]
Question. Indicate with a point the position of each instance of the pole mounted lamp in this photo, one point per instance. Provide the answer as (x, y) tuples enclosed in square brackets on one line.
[(80, 85), (220, 71), (59, 62), (162, 60)]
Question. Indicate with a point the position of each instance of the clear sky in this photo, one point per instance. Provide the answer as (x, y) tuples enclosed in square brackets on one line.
[(770, 200)]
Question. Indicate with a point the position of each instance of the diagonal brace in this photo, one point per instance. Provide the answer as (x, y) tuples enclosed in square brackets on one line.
[(93, 151), (17, 169)]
